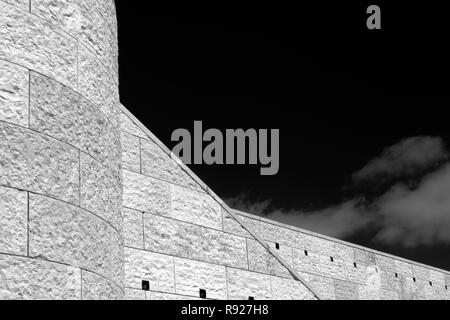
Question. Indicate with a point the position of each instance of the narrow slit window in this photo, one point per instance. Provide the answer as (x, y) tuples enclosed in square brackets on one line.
[(414, 279), (355, 265), (251, 298), (145, 285), (431, 283), (203, 293), (331, 259), (446, 287), (306, 252), (277, 245), (396, 275)]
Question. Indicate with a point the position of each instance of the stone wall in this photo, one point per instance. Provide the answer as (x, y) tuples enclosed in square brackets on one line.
[(60, 178), (92, 205), (180, 237)]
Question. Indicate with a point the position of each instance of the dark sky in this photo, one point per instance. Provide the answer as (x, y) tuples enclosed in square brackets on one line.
[(339, 93)]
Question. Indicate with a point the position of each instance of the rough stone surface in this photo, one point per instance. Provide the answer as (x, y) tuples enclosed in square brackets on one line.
[(133, 228), (190, 241), (288, 289), (145, 193), (128, 126), (156, 268), (346, 290), (62, 113), (324, 286), (30, 279), (96, 84), (36, 44), (13, 221), (195, 207), (37, 163), (24, 4), (244, 284), (134, 294), (64, 233), (96, 287), (232, 226), (83, 20), (363, 257), (101, 191), (259, 259), (151, 295), (131, 152), (191, 276), (421, 272), (157, 163), (14, 94)]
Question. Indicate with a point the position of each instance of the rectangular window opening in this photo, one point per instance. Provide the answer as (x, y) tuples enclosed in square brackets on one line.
[(145, 285), (414, 279), (331, 259), (203, 293), (251, 298), (355, 265), (306, 252), (277, 245), (396, 275)]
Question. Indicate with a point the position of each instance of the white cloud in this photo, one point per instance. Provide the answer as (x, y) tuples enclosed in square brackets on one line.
[(402, 216), (405, 158)]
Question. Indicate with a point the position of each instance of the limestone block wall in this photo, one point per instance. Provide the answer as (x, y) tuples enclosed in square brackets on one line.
[(92, 205), (60, 161), (180, 238)]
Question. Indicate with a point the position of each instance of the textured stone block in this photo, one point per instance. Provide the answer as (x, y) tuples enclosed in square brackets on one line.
[(421, 272), (195, 207), (83, 20), (145, 193), (63, 114), (13, 221), (133, 228), (191, 276), (131, 152), (261, 260), (128, 126), (306, 263), (388, 295), (363, 257), (14, 93), (232, 226), (64, 233), (288, 289), (36, 44), (157, 163), (356, 275), (96, 287), (167, 296), (38, 163), (24, 4), (101, 191), (390, 282), (343, 252), (345, 290), (29, 279), (156, 268), (323, 286), (385, 263), (334, 269), (96, 84), (134, 294), (185, 240), (437, 278), (404, 268), (371, 290), (244, 284)]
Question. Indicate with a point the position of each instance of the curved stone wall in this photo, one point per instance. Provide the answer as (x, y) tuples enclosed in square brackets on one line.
[(60, 156)]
